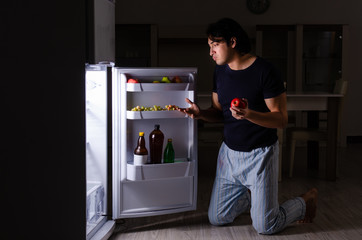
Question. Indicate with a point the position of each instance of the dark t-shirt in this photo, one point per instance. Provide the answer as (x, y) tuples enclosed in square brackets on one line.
[(255, 83)]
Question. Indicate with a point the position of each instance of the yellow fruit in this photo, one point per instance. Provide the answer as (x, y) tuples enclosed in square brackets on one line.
[(165, 80)]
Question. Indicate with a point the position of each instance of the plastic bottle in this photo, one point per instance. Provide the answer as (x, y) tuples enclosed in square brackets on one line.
[(156, 145), (169, 154), (140, 152)]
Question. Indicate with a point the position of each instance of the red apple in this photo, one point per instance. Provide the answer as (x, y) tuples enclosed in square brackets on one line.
[(131, 80), (237, 102)]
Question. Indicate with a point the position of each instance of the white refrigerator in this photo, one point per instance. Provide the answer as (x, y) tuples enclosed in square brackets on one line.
[(116, 188)]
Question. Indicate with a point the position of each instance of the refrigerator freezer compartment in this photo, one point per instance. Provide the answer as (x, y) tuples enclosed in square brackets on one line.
[(159, 171), (155, 87), (140, 198), (155, 114)]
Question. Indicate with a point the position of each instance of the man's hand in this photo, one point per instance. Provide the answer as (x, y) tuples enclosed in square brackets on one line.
[(193, 111), (240, 113), (276, 118)]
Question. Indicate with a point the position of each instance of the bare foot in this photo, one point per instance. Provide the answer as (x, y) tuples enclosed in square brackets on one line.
[(310, 199)]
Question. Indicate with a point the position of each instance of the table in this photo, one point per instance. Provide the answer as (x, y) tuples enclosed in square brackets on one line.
[(314, 101)]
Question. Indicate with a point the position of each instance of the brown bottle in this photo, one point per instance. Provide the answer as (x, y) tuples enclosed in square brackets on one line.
[(156, 145), (140, 153)]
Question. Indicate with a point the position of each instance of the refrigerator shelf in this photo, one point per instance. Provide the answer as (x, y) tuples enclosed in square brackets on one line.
[(181, 168), (155, 114), (148, 198), (157, 87)]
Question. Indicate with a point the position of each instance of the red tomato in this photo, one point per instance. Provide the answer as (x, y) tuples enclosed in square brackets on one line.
[(131, 80), (237, 102)]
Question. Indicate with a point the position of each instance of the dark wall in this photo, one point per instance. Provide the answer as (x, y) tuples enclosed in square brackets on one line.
[(43, 51)]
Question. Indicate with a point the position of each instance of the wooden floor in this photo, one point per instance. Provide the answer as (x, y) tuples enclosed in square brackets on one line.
[(339, 213)]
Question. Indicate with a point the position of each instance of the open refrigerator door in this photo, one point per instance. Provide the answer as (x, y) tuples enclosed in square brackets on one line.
[(153, 189), (98, 158)]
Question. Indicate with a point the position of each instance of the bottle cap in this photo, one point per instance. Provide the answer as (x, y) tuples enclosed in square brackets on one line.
[(170, 140), (157, 126), (141, 134)]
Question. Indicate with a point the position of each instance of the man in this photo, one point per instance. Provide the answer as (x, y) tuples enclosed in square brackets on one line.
[(247, 168)]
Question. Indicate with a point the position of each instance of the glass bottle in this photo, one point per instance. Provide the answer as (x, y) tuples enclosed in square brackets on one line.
[(169, 154), (140, 152), (156, 145)]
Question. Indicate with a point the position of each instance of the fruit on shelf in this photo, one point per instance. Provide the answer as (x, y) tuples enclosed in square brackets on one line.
[(131, 80), (171, 107), (138, 108), (155, 108), (165, 80), (238, 102), (176, 79)]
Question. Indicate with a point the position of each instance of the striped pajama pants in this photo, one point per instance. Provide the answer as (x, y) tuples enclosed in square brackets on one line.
[(257, 171)]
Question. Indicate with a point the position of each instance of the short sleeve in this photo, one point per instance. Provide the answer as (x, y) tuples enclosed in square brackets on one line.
[(272, 84)]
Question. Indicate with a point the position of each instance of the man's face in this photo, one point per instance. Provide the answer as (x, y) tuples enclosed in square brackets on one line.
[(219, 51)]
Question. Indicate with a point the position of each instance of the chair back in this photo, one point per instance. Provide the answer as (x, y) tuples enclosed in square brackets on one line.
[(340, 87)]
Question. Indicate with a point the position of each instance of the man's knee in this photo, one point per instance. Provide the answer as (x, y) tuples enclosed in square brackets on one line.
[(218, 219), (266, 228), (265, 231)]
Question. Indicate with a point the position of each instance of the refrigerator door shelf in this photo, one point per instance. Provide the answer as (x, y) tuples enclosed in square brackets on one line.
[(159, 171), (95, 207), (155, 114), (158, 87)]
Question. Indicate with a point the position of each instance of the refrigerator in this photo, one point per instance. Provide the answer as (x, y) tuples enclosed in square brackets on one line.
[(116, 188)]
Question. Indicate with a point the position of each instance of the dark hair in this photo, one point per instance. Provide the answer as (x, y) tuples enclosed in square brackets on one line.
[(225, 29)]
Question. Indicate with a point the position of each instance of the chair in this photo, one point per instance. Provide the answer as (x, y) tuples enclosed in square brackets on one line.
[(306, 134)]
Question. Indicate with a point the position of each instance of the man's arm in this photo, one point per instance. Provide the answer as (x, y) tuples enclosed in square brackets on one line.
[(276, 118), (212, 114)]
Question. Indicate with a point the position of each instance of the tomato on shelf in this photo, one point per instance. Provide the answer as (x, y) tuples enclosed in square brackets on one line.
[(131, 80), (176, 79)]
